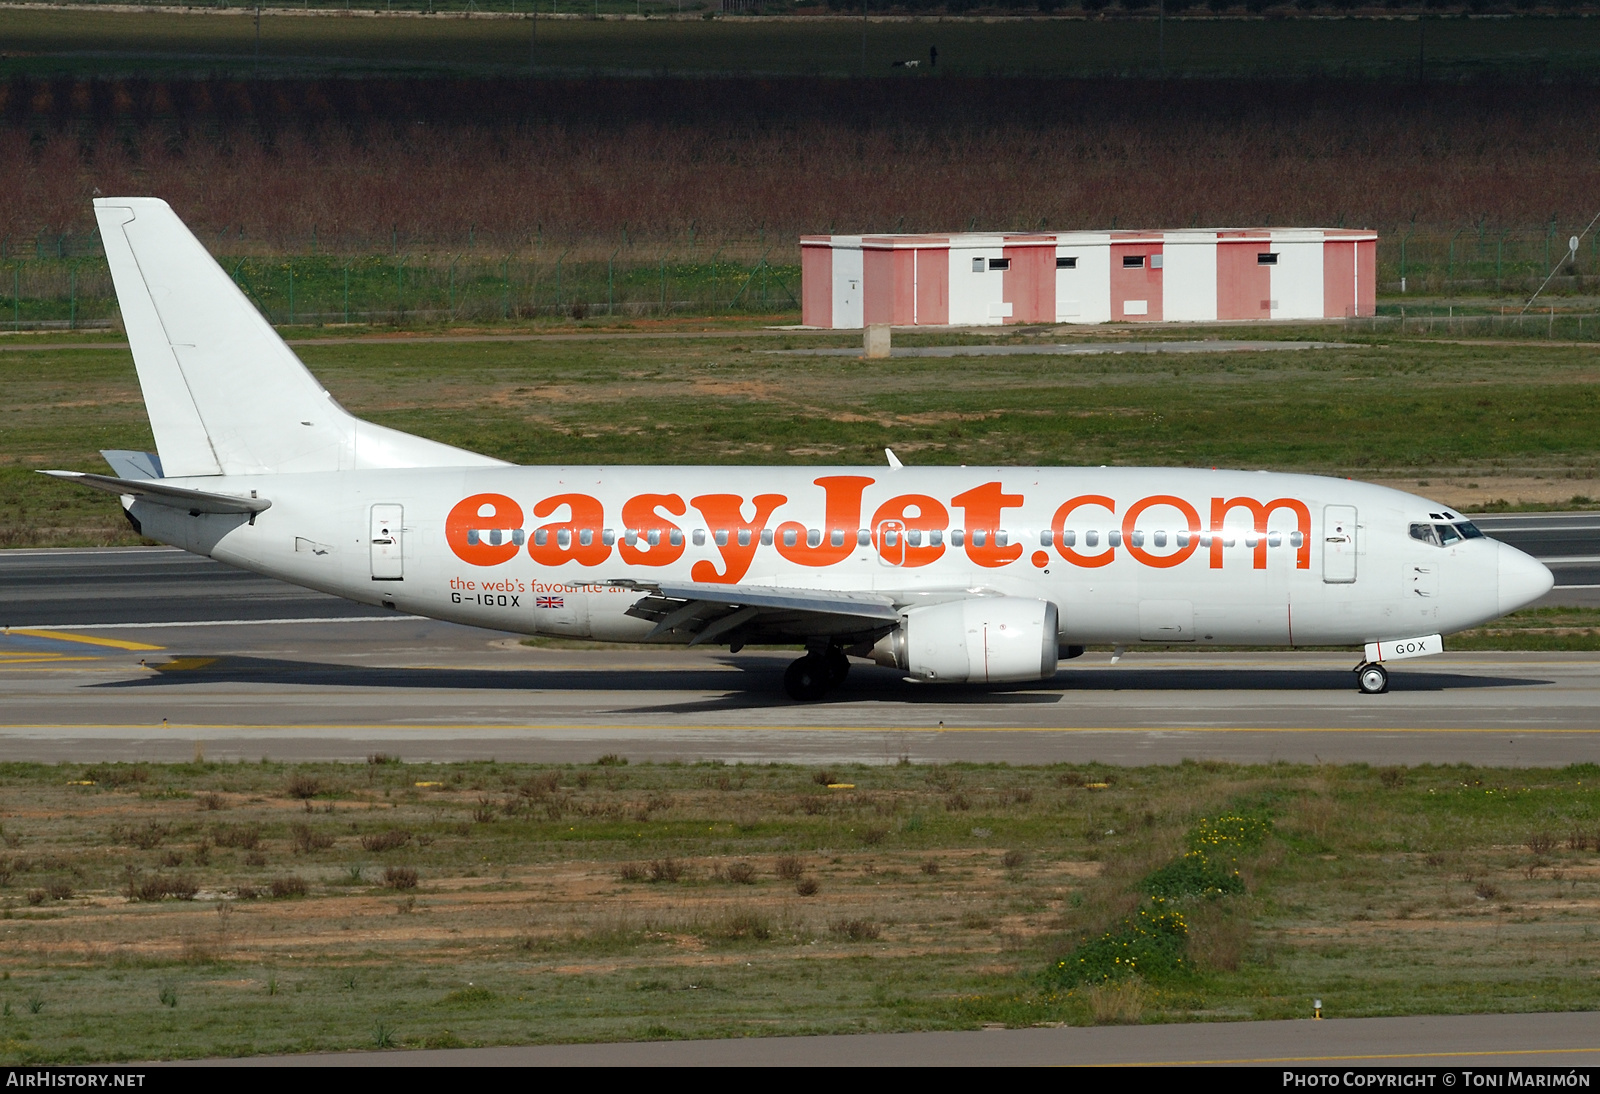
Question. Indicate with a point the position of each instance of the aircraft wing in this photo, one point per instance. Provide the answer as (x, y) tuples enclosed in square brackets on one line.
[(743, 613), (154, 490)]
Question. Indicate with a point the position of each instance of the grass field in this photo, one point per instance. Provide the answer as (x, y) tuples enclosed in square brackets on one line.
[(1516, 423), (102, 43), (222, 909)]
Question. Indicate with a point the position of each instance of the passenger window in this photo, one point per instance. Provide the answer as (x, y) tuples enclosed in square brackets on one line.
[(813, 538), (935, 537), (675, 537), (891, 538), (1001, 538), (1136, 538), (608, 537), (563, 538), (836, 538), (914, 537), (698, 535), (1091, 538), (1296, 539), (516, 536), (1469, 530), (1447, 534), (766, 537), (630, 536), (1046, 538), (957, 537), (1114, 538), (720, 537), (585, 537), (1161, 539), (979, 537), (744, 537), (1183, 539), (1069, 538), (1274, 539), (789, 537), (653, 537), (541, 537), (1424, 533), (863, 538)]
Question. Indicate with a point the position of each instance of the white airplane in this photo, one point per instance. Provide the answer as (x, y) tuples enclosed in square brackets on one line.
[(979, 574)]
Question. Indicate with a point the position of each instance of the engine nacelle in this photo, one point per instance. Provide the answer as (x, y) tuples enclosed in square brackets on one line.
[(984, 640)]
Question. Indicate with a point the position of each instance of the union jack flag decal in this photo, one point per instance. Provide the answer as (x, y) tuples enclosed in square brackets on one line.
[(550, 602)]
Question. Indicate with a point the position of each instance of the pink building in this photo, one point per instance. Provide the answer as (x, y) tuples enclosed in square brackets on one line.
[(975, 278)]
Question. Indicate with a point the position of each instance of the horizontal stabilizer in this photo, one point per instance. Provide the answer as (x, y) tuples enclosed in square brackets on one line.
[(196, 501), (133, 465)]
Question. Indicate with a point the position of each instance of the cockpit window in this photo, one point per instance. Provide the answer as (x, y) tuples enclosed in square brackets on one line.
[(1425, 533), (1469, 530), (1447, 534)]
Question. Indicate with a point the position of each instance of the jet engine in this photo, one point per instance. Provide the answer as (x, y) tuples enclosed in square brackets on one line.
[(985, 640)]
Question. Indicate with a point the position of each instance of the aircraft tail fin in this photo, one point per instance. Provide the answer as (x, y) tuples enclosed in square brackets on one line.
[(225, 394)]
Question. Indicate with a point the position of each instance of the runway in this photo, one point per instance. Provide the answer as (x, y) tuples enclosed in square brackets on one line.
[(1485, 1043), (142, 653)]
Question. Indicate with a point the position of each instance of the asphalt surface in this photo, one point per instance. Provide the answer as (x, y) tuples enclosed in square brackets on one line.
[(249, 666), (1485, 1043), (1568, 543)]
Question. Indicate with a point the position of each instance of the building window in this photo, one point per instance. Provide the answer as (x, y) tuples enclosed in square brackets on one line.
[(1267, 258), (977, 265), (999, 263), (1133, 262), (1065, 263)]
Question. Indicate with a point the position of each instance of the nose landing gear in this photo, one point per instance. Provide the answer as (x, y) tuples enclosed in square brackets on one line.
[(1372, 679), (814, 675)]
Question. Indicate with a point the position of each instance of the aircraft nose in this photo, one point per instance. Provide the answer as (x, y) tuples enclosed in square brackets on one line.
[(1523, 579)]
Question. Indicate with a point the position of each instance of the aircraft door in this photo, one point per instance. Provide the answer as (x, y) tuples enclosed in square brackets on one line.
[(1339, 544), (890, 539), (388, 560)]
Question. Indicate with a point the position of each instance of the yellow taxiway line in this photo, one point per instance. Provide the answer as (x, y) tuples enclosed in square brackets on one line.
[(88, 640)]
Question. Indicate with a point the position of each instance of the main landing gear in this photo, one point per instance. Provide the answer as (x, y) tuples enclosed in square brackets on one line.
[(816, 674), (1372, 678)]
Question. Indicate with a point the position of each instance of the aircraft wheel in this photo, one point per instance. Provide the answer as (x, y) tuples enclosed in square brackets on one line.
[(1372, 679), (838, 666), (807, 679)]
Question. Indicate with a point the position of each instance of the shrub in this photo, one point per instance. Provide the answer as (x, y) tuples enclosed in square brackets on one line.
[(1541, 843), (874, 835), (1013, 860), (255, 858), (58, 890), (246, 837), (209, 802), (856, 930), (290, 886), (824, 777), (146, 837), (741, 873), (389, 839), (666, 869), (1151, 943), (611, 759), (958, 802), (540, 787), (160, 887), (806, 886), (307, 839), (1392, 778), (399, 877), (631, 871), (745, 924), (1195, 874), (930, 866), (813, 804), (302, 786), (790, 867)]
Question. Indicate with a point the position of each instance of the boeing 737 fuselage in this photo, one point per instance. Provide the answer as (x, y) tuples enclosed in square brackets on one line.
[(980, 574)]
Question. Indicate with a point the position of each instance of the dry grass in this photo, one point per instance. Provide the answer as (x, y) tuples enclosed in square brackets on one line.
[(1116, 1004)]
